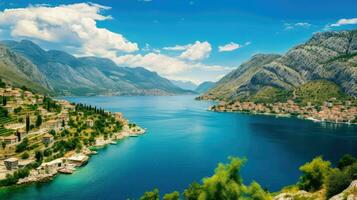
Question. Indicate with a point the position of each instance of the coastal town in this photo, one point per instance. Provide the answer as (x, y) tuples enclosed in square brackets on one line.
[(330, 111), (41, 137)]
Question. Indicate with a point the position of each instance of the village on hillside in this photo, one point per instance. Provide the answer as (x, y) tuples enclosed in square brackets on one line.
[(330, 111), (41, 137)]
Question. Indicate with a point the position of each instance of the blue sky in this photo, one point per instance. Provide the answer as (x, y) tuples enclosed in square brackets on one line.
[(144, 32)]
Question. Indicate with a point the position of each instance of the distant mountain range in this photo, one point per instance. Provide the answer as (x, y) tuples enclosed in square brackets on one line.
[(329, 56), (58, 72), (204, 87), (187, 85)]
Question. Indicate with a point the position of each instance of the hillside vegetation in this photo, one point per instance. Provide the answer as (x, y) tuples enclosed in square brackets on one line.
[(315, 92), (318, 181)]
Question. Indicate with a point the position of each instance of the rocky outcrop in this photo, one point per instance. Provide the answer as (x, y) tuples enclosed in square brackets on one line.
[(298, 195), (20, 71), (348, 194), (329, 55)]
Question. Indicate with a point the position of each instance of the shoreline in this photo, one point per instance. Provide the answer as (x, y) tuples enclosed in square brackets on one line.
[(90, 151), (283, 116)]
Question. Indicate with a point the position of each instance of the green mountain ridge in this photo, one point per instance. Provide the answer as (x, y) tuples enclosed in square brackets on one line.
[(65, 74), (330, 56)]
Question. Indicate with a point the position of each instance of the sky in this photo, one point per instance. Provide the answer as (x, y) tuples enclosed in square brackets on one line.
[(191, 40)]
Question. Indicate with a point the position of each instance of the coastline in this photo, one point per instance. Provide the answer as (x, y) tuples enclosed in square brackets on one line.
[(41, 137), (86, 152), (292, 111)]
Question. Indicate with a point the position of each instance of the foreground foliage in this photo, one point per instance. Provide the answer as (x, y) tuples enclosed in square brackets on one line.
[(226, 183), (318, 177)]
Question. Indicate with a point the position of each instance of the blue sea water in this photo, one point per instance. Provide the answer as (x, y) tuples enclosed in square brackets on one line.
[(184, 143)]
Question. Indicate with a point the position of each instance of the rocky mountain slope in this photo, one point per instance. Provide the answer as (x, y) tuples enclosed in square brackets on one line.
[(14, 68), (328, 56), (69, 75)]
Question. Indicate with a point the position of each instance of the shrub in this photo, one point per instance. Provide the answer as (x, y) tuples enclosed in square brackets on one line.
[(39, 156), (152, 195), (193, 191), (22, 146), (345, 161), (314, 174), (25, 155), (172, 196), (336, 182)]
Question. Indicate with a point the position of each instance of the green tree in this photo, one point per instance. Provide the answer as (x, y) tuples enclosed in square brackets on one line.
[(3, 144), (226, 183), (345, 161), (172, 196), (39, 156), (38, 120), (27, 123), (255, 192), (4, 100), (25, 155), (193, 191), (314, 174), (22, 146), (52, 132), (2, 84), (152, 195), (336, 182), (17, 110)]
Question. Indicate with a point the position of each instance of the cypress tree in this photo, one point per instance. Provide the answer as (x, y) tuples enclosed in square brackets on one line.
[(38, 121), (27, 123), (4, 100), (18, 135)]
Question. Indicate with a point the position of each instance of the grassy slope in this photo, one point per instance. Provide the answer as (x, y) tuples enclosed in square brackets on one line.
[(315, 92)]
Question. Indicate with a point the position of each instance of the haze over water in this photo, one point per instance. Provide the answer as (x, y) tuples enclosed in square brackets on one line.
[(184, 143)]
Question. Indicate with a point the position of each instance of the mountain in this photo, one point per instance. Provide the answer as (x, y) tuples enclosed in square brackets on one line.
[(187, 85), (330, 56), (204, 87), (21, 72), (66, 74)]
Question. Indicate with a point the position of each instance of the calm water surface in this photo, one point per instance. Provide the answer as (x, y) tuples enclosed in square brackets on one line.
[(184, 143)]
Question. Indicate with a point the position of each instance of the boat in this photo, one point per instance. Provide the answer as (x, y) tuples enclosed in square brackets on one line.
[(133, 135), (65, 171)]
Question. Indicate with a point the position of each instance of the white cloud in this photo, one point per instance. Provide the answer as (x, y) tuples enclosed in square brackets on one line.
[(197, 51), (174, 68), (71, 25), (177, 47), (193, 52), (342, 22), (290, 26), (229, 47), (74, 28)]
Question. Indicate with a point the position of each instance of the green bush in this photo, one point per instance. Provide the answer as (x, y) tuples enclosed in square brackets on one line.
[(172, 196), (346, 160), (336, 182), (314, 174), (193, 191), (22, 146), (25, 155), (152, 195)]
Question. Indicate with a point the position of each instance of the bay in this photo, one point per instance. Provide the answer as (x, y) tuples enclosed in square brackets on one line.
[(184, 143)]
